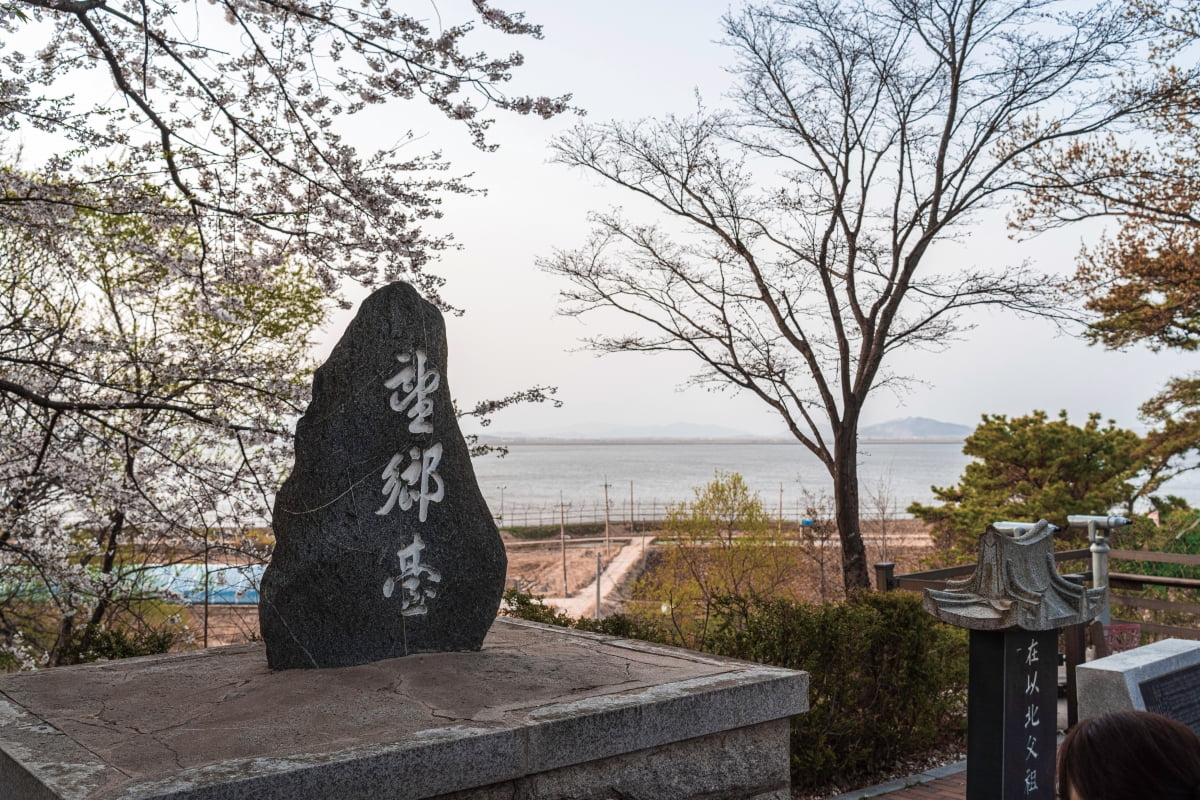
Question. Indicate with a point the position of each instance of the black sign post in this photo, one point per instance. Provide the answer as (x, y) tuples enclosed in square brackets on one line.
[(1014, 605), (1012, 709)]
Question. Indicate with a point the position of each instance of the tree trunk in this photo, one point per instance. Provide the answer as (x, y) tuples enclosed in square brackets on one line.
[(846, 514), (66, 629), (106, 567)]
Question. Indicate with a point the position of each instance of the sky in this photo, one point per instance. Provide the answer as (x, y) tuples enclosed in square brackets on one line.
[(629, 60)]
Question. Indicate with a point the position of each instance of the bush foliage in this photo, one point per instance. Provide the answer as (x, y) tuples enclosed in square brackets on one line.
[(887, 681), (97, 643), (520, 605), (573, 529)]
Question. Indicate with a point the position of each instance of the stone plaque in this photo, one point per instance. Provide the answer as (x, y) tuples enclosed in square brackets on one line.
[(1163, 676), (1175, 695), (384, 544)]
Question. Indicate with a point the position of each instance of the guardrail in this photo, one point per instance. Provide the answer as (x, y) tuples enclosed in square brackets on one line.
[(1075, 637)]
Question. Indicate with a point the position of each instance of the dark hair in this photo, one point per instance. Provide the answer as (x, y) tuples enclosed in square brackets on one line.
[(1129, 755)]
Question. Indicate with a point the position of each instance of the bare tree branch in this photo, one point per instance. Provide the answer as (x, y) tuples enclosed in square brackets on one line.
[(791, 255)]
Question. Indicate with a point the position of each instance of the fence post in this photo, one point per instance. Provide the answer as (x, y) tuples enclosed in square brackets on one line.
[(1074, 654), (885, 576)]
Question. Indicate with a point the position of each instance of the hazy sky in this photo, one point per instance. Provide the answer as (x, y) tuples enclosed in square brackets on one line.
[(628, 60)]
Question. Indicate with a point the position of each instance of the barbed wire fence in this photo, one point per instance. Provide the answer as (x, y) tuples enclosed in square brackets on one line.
[(649, 512)]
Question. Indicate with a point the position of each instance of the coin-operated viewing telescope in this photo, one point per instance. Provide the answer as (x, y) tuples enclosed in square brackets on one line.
[(1097, 528)]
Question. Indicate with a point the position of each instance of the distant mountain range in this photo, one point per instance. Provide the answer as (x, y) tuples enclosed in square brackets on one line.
[(907, 429), (915, 428)]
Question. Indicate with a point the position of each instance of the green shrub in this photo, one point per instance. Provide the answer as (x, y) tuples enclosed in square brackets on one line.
[(887, 681), (95, 642), (526, 606), (627, 627), (574, 530)]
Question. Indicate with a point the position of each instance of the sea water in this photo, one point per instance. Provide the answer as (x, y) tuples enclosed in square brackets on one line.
[(536, 478), (532, 480)]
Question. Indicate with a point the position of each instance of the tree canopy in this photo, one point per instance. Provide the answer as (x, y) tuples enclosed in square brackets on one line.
[(786, 241), (723, 552), (130, 415), (1144, 174), (1032, 467), (231, 118), (1141, 283)]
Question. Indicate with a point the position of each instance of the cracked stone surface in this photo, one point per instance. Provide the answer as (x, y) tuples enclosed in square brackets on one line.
[(533, 699), (384, 544)]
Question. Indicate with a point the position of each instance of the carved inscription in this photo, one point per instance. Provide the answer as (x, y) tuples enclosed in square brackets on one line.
[(1029, 714), (411, 478), (1175, 694)]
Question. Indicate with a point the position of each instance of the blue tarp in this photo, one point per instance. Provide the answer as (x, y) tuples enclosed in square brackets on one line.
[(233, 585), (226, 584)]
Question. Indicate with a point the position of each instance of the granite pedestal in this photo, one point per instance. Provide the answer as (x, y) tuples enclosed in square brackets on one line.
[(539, 712), (1163, 677)]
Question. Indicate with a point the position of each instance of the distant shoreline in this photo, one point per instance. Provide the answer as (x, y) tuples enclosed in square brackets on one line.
[(554, 441)]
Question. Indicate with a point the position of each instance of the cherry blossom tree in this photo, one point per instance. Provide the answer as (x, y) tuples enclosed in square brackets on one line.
[(181, 204), (231, 117), (134, 424)]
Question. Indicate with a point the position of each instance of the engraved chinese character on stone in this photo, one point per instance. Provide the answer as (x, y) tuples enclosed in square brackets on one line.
[(1031, 784), (418, 382), (403, 488), (416, 580)]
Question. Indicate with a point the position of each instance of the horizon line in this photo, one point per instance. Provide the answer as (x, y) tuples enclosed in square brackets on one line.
[(561, 440)]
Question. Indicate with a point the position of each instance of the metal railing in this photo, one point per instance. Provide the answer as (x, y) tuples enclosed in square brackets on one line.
[(1119, 583)]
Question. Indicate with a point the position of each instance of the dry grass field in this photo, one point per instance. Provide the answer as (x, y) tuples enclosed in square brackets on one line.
[(537, 568)]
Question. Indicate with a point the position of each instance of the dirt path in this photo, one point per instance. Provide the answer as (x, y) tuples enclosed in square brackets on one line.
[(583, 602)]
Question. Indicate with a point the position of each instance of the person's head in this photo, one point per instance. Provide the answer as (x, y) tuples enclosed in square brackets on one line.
[(1129, 755)]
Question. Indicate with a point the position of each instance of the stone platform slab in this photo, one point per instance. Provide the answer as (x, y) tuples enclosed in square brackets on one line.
[(539, 712)]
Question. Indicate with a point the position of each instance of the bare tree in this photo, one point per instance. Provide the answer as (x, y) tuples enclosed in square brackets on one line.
[(884, 508), (816, 535), (789, 254)]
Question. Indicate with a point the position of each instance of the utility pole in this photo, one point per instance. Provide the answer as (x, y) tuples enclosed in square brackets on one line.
[(781, 510), (597, 585), (631, 527), (502, 488), (562, 535), (607, 542)]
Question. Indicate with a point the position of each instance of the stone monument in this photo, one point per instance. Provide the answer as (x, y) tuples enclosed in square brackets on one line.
[(385, 549), (384, 544), (1163, 677), (1014, 605)]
